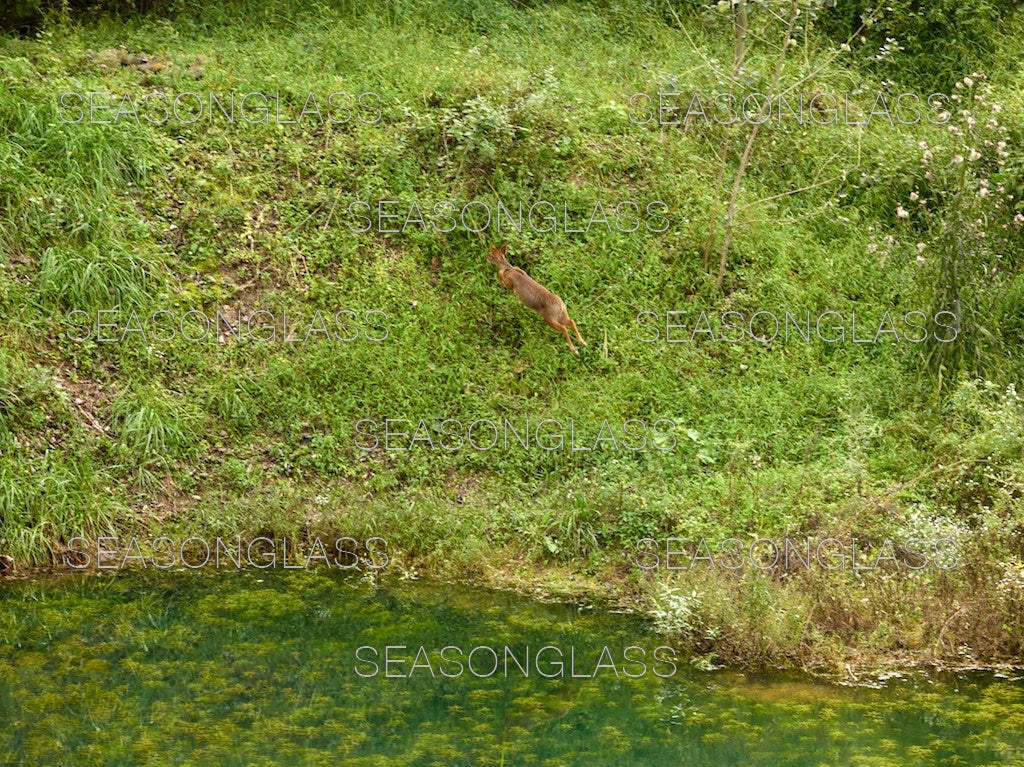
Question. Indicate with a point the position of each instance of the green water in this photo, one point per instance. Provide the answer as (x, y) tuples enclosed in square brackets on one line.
[(259, 669)]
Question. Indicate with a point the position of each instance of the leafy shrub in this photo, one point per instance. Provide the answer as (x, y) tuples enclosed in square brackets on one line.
[(674, 610), (926, 45), (486, 126), (959, 226)]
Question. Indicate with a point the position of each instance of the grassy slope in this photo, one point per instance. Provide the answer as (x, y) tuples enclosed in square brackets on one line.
[(845, 440)]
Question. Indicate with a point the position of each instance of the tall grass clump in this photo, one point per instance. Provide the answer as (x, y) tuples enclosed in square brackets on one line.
[(64, 191), (97, 276), (51, 499), (152, 427)]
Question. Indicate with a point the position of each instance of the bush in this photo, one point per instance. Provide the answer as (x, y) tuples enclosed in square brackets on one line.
[(926, 45)]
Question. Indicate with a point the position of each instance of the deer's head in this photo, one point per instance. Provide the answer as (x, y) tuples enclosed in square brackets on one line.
[(497, 255)]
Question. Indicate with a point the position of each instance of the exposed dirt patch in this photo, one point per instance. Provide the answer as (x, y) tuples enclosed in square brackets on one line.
[(89, 398)]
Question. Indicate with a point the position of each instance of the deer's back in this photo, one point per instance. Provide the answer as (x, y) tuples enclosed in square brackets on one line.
[(532, 293)]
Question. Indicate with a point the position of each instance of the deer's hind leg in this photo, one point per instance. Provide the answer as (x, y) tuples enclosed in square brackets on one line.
[(565, 332), (576, 330), (563, 329)]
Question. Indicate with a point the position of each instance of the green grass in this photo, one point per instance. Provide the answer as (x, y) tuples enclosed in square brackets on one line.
[(479, 101)]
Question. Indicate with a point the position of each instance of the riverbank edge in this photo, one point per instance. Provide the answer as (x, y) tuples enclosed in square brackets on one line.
[(553, 584)]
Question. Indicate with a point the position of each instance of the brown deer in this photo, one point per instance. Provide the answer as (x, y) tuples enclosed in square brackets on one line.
[(535, 296)]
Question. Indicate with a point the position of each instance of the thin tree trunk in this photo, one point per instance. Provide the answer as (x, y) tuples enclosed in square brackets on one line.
[(739, 43), (739, 53), (730, 214), (709, 242)]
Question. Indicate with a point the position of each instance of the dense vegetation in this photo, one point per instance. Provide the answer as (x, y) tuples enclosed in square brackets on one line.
[(491, 101)]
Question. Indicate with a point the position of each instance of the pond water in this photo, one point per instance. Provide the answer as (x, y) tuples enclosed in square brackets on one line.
[(260, 669)]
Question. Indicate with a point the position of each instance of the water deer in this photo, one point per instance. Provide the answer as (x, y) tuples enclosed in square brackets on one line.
[(535, 296)]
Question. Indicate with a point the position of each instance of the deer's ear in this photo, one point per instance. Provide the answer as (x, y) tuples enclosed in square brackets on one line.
[(502, 250)]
